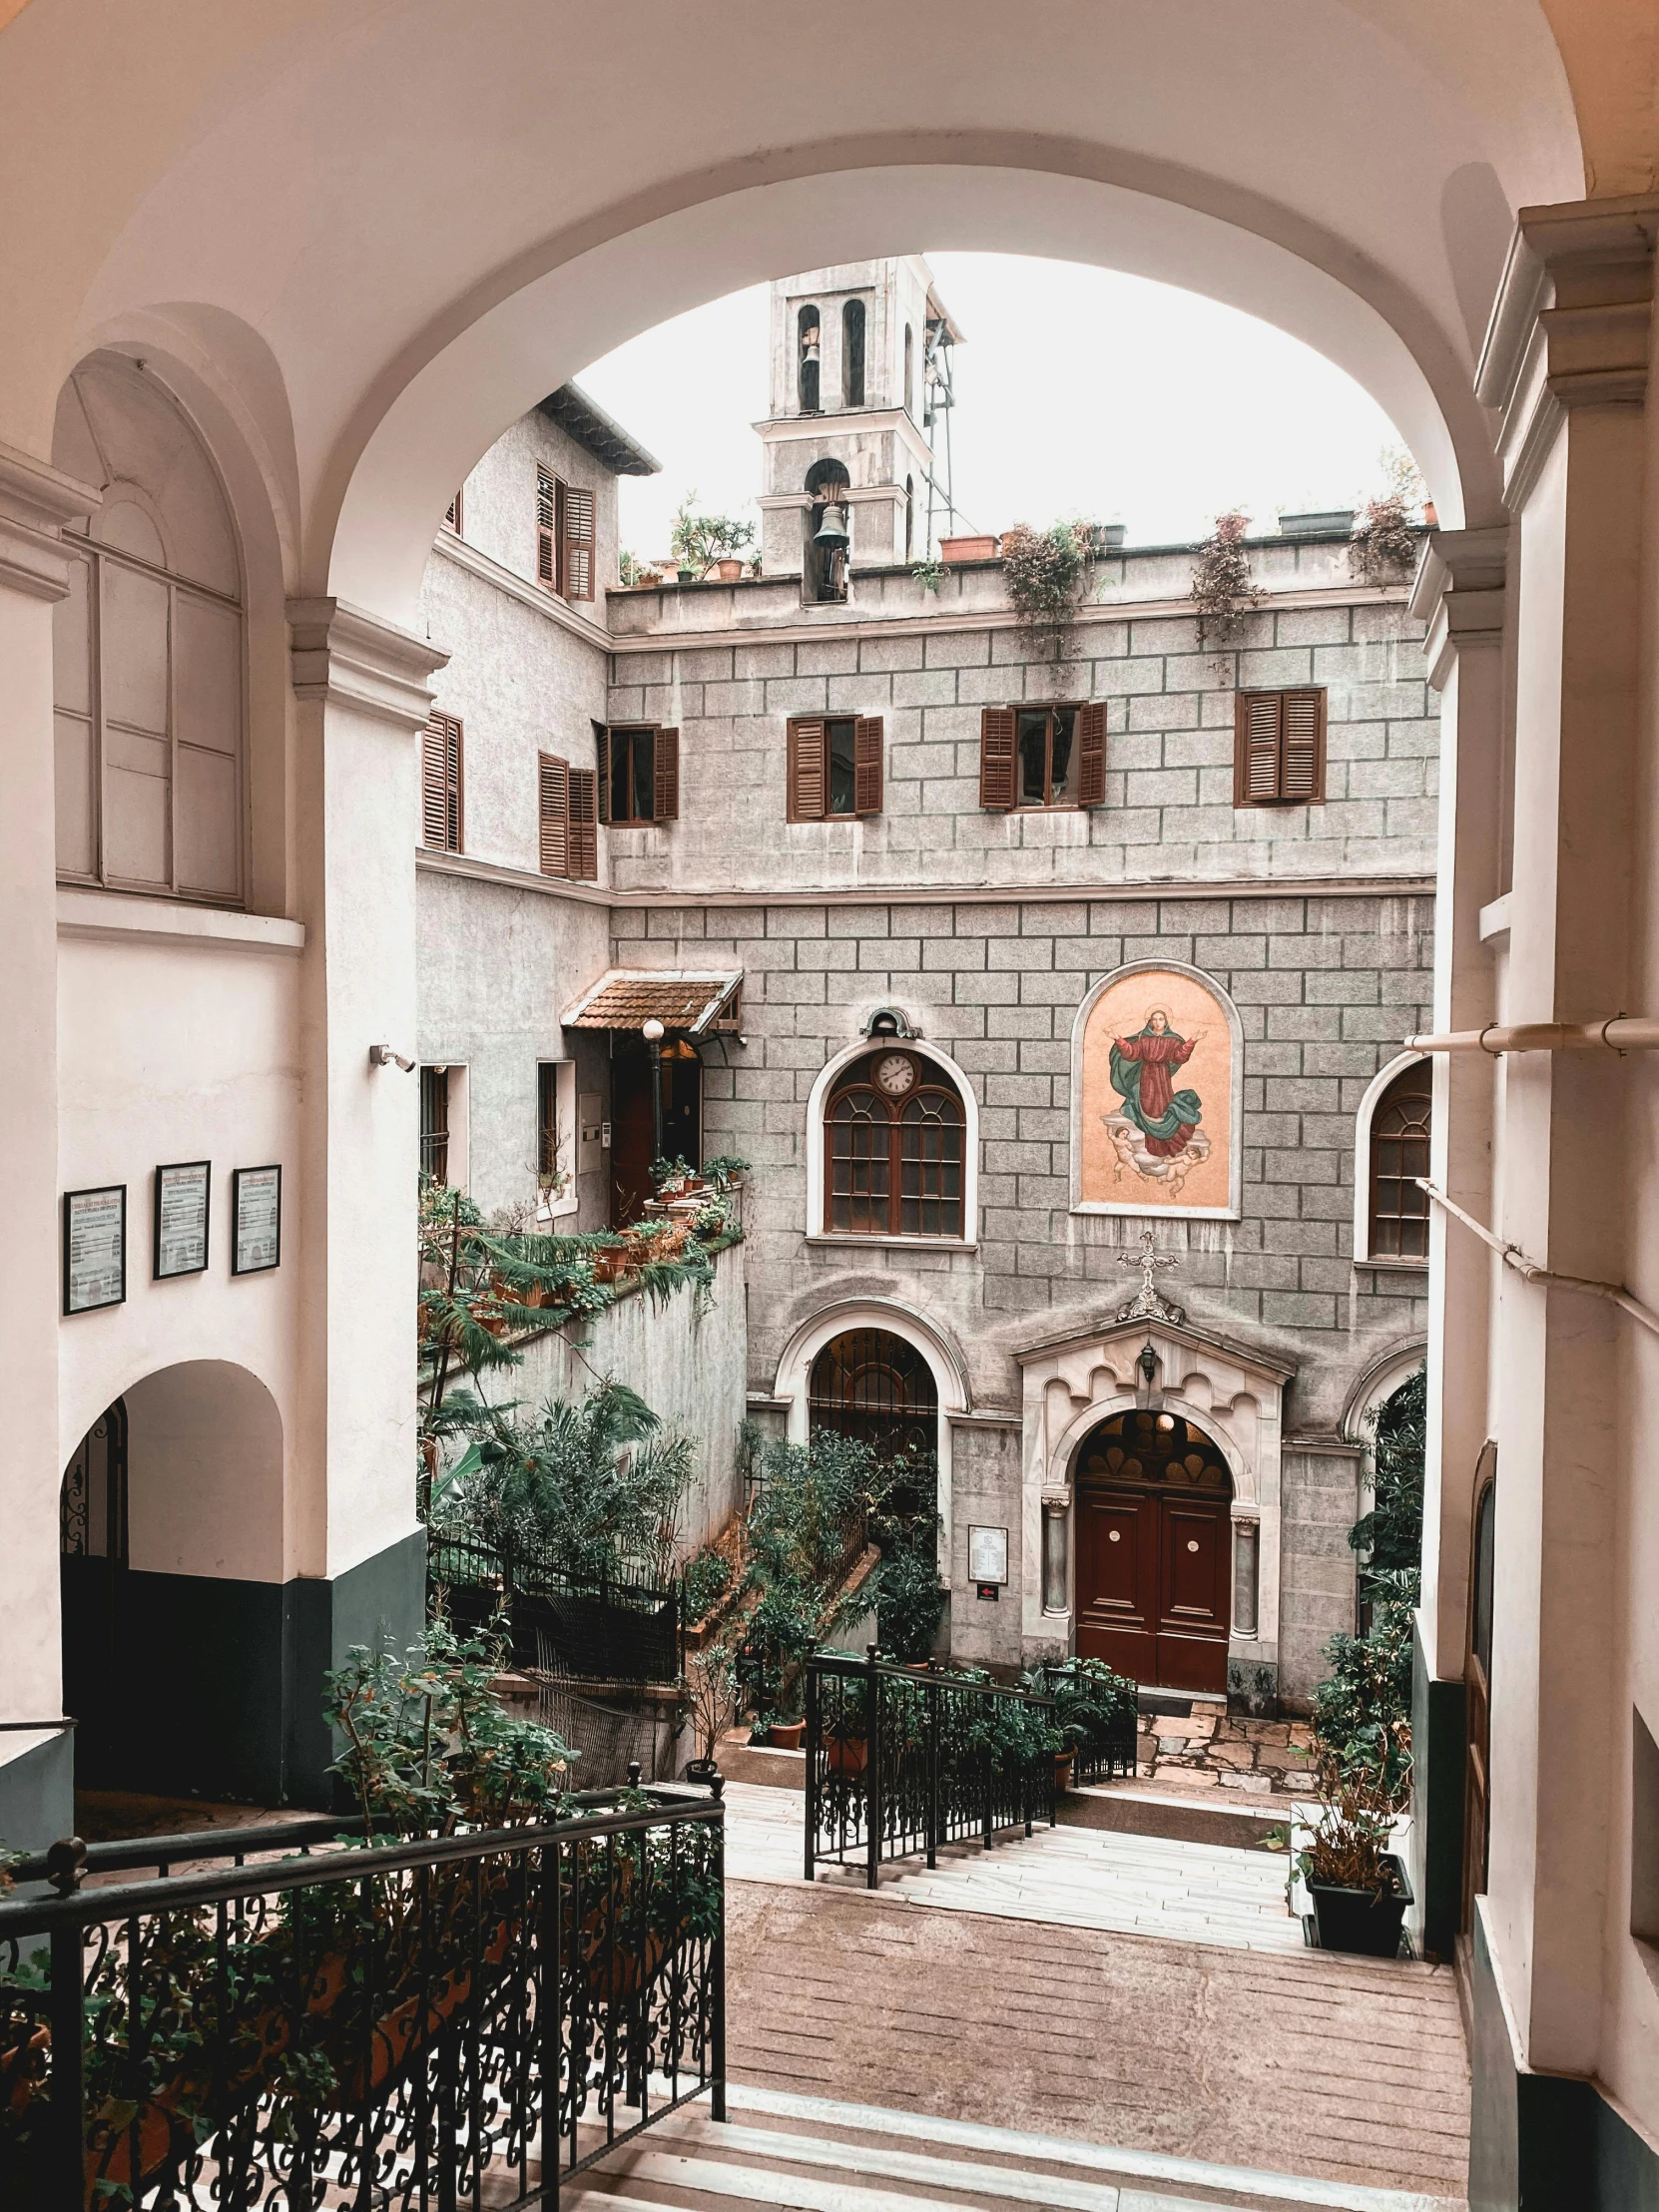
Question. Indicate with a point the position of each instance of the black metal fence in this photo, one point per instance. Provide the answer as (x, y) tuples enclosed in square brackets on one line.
[(429, 2023), (610, 1629), (1099, 1752), (899, 1762)]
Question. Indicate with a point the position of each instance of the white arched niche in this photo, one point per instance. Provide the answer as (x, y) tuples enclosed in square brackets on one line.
[(1374, 1090), (816, 1105), (794, 1368)]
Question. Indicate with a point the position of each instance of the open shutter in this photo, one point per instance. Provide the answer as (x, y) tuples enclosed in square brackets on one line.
[(578, 544), (452, 783), (1255, 733), (1091, 753), (996, 759), (805, 766), (602, 751), (434, 808), (666, 793), (1301, 745), (584, 825), (868, 764), (554, 799), (547, 516)]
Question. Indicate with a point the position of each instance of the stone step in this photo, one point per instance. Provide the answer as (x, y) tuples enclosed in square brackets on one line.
[(778, 2152), (1133, 1809)]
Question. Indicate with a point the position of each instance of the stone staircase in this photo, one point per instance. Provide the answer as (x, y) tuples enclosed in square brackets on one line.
[(778, 2152)]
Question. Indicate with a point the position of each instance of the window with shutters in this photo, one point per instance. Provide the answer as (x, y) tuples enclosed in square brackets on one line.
[(1398, 1153), (454, 514), (1277, 748), (836, 767), (566, 541), (639, 774), (894, 1149), (1034, 758), (441, 823), (567, 802)]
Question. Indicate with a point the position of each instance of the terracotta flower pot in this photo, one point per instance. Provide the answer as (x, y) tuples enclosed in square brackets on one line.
[(786, 1735), (846, 1755), (729, 571), (967, 549), (1062, 1769)]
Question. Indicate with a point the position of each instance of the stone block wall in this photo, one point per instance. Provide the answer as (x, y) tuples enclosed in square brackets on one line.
[(1320, 1502), (1327, 989)]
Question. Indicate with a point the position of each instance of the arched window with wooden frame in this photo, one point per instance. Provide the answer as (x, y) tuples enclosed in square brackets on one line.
[(1395, 1217), (895, 1138)]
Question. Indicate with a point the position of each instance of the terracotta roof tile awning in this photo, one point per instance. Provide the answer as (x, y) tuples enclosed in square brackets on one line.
[(627, 998)]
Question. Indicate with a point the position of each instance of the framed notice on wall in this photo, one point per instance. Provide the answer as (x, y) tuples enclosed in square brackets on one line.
[(987, 1555), (94, 1248), (180, 1225), (256, 1218)]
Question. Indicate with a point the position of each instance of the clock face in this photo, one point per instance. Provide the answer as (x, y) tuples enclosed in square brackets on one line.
[(895, 1074)]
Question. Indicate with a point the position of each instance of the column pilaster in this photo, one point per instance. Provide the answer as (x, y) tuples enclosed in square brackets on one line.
[(36, 501)]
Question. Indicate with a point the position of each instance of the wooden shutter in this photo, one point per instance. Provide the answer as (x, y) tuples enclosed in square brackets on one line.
[(547, 517), (602, 752), (867, 765), (1277, 747), (440, 784), (584, 825), (1301, 745), (1091, 753), (996, 759), (554, 802), (806, 772), (434, 806), (578, 544), (1255, 730), (666, 793)]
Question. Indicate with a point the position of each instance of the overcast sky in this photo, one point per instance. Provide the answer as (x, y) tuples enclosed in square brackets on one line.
[(1078, 393)]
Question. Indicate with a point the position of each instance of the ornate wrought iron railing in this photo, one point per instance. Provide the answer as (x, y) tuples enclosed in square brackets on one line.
[(1101, 1754), (901, 1761), (428, 2023)]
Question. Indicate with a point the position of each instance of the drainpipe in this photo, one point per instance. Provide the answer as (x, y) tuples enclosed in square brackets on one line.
[(1624, 1033), (1529, 1270)]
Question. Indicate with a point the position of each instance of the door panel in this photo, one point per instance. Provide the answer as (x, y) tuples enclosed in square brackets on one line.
[(1117, 1580), (1153, 1586)]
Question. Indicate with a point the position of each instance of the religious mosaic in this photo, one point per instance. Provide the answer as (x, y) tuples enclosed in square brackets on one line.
[(1157, 1077)]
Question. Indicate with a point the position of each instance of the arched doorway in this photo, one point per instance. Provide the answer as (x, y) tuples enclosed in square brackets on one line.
[(871, 1384), (1154, 1550)]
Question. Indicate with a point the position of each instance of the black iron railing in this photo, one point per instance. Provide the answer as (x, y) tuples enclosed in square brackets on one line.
[(613, 1628), (422, 2024), (1100, 1749), (899, 1762)]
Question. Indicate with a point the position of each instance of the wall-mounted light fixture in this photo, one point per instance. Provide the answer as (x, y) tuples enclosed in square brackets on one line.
[(382, 1056)]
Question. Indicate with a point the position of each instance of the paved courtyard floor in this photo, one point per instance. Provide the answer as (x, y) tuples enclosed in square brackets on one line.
[(1214, 1751)]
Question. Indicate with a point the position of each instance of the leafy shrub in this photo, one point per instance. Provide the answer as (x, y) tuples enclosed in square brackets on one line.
[(1383, 547), (1392, 1532), (910, 1600), (1045, 572), (708, 1578), (1223, 590), (1093, 1705)]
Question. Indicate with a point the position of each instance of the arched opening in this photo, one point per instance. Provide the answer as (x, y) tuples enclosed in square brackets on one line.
[(827, 525), (853, 354), (809, 359), (1397, 1221), (175, 1615), (876, 1387), (149, 649), (895, 1146), (1154, 1550)]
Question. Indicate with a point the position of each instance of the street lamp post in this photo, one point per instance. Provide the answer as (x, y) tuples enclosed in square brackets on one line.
[(653, 1034)]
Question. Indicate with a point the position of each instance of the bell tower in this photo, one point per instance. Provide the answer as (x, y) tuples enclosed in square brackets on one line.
[(859, 377)]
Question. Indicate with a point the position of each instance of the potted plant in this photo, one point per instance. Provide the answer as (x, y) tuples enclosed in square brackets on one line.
[(967, 549), (709, 542), (1358, 1886), (712, 1677)]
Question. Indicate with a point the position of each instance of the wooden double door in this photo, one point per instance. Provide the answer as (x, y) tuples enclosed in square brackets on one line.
[(1154, 1556)]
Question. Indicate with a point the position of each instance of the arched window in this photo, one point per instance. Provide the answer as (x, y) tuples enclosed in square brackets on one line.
[(824, 560), (895, 1138), (874, 1385), (909, 370), (853, 354), (1398, 1216), (808, 325), (149, 649)]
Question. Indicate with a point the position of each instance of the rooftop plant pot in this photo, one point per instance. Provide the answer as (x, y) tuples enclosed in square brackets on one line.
[(786, 1735), (729, 571), (967, 549), (1364, 1922)]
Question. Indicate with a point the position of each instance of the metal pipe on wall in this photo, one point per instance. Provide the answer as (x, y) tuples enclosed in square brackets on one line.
[(1623, 1033)]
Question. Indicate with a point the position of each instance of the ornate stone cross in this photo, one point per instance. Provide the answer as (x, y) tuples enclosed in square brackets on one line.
[(1147, 1303)]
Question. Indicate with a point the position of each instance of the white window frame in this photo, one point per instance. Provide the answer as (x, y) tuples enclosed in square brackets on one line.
[(549, 1208), (1362, 1165)]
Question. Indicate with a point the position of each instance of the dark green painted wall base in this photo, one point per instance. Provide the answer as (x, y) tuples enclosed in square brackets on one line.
[(217, 1686), (1543, 2142), (1437, 1750), (36, 1795)]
